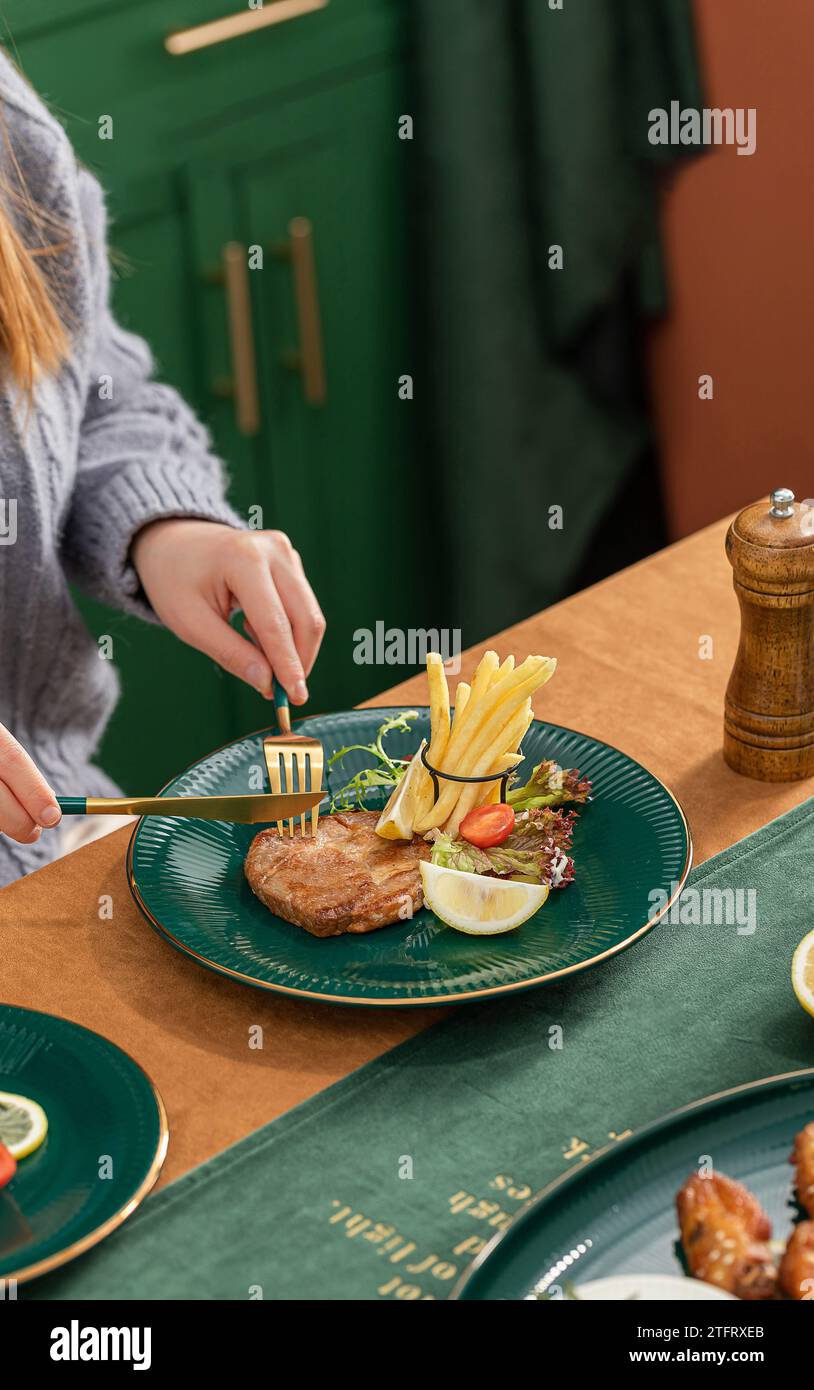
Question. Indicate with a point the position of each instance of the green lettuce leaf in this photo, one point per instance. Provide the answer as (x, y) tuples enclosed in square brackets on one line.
[(536, 850), (549, 785)]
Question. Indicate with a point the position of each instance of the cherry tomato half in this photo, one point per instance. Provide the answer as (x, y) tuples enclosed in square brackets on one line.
[(488, 825), (8, 1166)]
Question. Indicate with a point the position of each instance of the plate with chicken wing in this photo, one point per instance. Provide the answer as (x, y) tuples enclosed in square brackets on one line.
[(720, 1193)]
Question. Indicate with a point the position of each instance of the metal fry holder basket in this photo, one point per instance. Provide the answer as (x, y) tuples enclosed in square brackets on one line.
[(435, 773)]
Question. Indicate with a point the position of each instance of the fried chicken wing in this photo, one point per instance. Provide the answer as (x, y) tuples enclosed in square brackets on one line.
[(724, 1231), (802, 1156), (797, 1264)]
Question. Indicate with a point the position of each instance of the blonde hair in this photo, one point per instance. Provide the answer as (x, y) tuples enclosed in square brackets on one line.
[(33, 332), (33, 338)]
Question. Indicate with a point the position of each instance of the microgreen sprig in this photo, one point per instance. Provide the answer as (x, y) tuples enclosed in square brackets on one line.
[(388, 773)]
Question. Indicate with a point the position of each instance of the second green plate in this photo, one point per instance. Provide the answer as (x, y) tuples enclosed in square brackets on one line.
[(106, 1141), (616, 1215), (187, 878)]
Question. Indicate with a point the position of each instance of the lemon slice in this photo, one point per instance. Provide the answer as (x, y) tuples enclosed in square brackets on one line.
[(477, 904), (802, 973), (23, 1124), (396, 820)]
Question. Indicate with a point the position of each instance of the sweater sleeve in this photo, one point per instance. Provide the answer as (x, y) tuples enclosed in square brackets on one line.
[(143, 455)]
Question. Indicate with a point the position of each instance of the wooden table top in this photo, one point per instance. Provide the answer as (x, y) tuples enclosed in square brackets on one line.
[(644, 658)]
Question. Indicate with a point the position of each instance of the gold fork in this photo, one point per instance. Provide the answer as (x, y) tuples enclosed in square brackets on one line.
[(285, 751)]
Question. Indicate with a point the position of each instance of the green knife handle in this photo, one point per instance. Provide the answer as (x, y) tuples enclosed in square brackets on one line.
[(73, 805), (281, 707)]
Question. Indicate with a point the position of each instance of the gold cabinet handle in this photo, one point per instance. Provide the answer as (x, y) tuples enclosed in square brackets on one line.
[(234, 26), (241, 336), (299, 249)]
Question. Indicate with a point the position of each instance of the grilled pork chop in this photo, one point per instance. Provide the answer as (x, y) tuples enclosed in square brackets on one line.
[(347, 879)]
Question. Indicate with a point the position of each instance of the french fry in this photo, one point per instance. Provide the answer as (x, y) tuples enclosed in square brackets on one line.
[(537, 669), (462, 693), (506, 694), (439, 731), (508, 665), (510, 735), (481, 794), (439, 706), (501, 722), (505, 722), (485, 673), (489, 792), (507, 737), (515, 748)]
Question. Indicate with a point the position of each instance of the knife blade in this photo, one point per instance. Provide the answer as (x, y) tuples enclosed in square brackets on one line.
[(241, 810)]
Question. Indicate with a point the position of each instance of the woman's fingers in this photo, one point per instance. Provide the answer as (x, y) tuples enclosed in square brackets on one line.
[(193, 571), (210, 633), (15, 820), (28, 801), (299, 600), (304, 613), (255, 592)]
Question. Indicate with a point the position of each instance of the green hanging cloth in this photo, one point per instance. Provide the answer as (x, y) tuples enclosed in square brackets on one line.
[(532, 135)]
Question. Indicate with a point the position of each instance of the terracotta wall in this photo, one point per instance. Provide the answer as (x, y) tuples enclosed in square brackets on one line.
[(739, 237)]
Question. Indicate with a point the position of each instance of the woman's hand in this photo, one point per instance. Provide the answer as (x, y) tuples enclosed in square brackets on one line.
[(26, 800), (195, 573)]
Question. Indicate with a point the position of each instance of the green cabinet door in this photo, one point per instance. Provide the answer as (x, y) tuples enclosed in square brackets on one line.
[(337, 475)]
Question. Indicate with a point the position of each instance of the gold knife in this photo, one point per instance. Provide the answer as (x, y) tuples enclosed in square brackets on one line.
[(243, 810)]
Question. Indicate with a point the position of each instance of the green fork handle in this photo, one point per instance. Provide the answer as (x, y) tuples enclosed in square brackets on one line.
[(281, 708), (73, 805)]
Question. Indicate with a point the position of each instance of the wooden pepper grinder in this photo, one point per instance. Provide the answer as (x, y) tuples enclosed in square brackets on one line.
[(769, 708)]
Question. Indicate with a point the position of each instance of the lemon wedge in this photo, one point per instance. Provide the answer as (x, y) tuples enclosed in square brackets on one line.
[(802, 973), (477, 904), (23, 1124), (396, 820)]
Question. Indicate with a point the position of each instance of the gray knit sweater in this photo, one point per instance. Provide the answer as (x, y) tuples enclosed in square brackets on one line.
[(104, 451)]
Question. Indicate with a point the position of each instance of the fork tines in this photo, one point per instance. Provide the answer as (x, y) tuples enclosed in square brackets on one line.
[(294, 764)]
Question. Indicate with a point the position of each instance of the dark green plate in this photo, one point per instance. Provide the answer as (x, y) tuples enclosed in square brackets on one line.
[(106, 1141), (187, 877), (616, 1215)]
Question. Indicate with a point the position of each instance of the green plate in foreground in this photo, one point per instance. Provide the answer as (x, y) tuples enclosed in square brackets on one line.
[(616, 1215), (187, 877), (106, 1141)]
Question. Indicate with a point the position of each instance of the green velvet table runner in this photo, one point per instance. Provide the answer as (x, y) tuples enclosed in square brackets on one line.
[(387, 1184)]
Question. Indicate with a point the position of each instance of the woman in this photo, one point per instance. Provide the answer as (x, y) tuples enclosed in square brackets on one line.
[(106, 480)]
